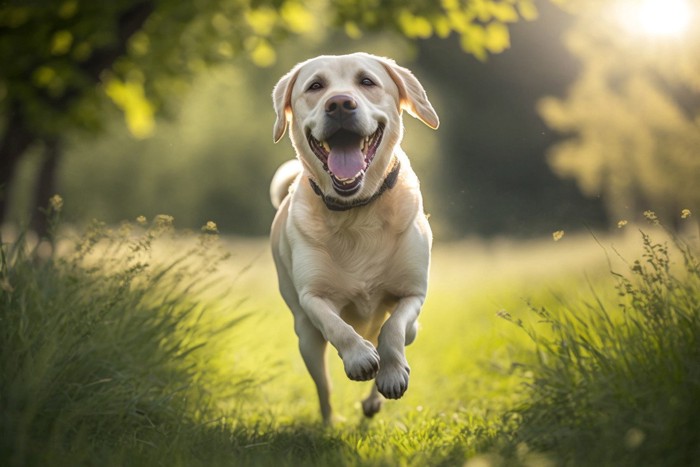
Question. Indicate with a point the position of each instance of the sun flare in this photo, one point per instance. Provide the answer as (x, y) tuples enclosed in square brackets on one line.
[(656, 18)]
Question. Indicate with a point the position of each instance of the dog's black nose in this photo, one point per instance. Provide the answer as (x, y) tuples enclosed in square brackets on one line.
[(340, 106)]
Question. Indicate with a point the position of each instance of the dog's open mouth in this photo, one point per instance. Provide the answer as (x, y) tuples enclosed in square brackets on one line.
[(346, 156)]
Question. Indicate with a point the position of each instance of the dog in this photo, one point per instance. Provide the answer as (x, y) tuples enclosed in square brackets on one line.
[(350, 240)]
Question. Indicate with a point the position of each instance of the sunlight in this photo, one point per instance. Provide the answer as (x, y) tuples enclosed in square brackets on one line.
[(656, 18)]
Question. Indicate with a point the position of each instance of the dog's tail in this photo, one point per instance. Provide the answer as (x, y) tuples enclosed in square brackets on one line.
[(282, 181)]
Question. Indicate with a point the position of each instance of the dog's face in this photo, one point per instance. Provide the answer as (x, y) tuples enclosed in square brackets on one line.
[(345, 115)]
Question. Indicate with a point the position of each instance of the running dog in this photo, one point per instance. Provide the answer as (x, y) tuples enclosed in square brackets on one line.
[(350, 239)]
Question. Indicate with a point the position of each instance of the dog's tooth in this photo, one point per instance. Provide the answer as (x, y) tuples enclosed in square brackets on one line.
[(325, 146), (348, 181)]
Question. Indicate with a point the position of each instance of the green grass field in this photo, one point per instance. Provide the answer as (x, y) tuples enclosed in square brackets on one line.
[(131, 348)]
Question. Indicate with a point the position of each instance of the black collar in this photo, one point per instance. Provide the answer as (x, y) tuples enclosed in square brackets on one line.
[(337, 204)]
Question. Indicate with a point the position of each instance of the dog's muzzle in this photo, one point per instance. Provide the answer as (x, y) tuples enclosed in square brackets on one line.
[(346, 156)]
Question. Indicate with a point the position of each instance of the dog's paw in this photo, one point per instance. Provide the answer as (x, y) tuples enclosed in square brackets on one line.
[(372, 405), (392, 380), (361, 361)]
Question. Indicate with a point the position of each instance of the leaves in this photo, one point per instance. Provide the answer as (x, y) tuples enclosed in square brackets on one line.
[(55, 54), (138, 111), (631, 118)]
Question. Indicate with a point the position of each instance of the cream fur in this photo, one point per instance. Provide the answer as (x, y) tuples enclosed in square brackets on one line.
[(356, 278)]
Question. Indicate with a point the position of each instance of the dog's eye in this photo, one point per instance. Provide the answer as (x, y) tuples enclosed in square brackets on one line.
[(315, 86), (367, 82)]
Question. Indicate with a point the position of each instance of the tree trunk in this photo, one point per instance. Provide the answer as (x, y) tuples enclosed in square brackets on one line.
[(45, 184), (16, 139), (18, 136)]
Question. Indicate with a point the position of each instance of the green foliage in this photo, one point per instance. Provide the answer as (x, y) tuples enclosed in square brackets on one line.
[(207, 163), (621, 387), (108, 356), (480, 24), (61, 58), (631, 118), (100, 349), (67, 64)]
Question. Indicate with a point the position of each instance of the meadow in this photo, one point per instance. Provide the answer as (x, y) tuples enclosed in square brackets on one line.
[(141, 345)]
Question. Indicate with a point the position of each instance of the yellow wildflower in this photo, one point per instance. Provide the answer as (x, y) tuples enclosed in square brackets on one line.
[(163, 221), (210, 228), (56, 203), (685, 213), (651, 217), (621, 224), (558, 235), (141, 220)]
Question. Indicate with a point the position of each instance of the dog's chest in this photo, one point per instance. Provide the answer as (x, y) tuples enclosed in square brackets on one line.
[(361, 269), (357, 260)]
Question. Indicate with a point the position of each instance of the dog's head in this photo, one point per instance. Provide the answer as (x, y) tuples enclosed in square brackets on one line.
[(344, 114)]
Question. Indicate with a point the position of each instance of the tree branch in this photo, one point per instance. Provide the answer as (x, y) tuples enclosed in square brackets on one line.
[(130, 22)]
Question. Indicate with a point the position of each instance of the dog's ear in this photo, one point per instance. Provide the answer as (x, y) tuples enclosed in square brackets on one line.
[(282, 100), (411, 92)]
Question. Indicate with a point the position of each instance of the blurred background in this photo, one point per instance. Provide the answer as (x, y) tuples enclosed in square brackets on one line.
[(555, 115)]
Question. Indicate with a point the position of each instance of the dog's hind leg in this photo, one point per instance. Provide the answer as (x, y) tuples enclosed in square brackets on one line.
[(312, 346), (373, 403)]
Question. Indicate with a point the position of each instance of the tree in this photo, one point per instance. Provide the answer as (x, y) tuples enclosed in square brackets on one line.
[(63, 60), (632, 119)]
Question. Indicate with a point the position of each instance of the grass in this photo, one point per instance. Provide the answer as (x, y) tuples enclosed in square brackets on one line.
[(621, 386), (98, 350), (136, 348)]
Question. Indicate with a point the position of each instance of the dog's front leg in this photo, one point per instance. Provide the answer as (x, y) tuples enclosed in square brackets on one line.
[(360, 358), (398, 331)]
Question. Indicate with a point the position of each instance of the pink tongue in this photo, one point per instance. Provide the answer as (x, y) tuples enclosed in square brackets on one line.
[(345, 162)]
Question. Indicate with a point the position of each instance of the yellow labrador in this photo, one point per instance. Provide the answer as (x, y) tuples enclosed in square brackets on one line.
[(350, 240)]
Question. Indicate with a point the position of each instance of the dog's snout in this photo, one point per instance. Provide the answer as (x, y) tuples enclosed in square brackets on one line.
[(340, 105)]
